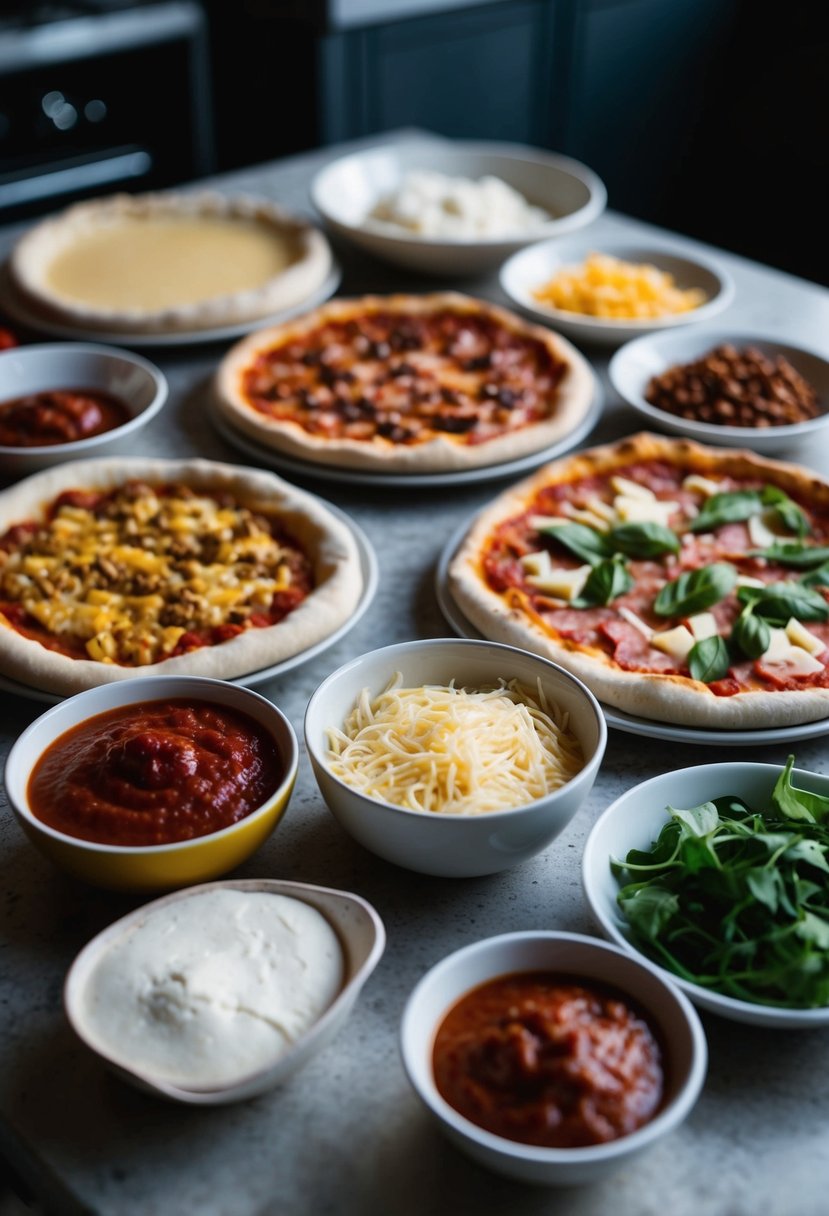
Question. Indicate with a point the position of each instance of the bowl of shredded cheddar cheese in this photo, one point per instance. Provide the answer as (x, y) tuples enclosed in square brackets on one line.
[(608, 293), (454, 757)]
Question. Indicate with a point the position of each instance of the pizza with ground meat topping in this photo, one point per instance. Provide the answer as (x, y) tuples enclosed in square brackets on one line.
[(415, 383), (681, 583), (116, 568)]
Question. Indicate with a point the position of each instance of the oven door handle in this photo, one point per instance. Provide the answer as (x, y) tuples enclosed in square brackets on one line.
[(72, 177)]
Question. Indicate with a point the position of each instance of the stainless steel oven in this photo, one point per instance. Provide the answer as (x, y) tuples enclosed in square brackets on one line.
[(100, 95)]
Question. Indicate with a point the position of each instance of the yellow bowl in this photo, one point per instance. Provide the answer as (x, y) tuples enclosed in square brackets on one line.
[(150, 868)]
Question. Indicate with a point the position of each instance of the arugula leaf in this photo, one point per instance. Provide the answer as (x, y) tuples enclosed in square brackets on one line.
[(751, 634), (731, 507), (649, 909), (645, 540), (696, 820), (794, 803), (815, 930), (794, 553), (605, 582), (586, 543), (696, 590), (709, 660)]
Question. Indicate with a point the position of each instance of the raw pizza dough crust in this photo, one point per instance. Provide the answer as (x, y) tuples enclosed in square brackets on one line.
[(574, 394), (663, 697), (307, 253), (324, 538)]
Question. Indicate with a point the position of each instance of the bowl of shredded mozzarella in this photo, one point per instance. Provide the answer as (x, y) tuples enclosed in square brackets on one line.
[(454, 208), (454, 757)]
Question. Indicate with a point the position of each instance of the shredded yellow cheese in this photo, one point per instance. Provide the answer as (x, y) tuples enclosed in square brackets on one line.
[(604, 286), (455, 751)]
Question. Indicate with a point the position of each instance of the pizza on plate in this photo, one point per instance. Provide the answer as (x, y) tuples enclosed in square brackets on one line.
[(681, 583), (410, 383), (168, 263), (116, 568)]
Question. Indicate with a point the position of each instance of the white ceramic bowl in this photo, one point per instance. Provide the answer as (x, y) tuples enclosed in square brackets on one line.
[(345, 191), (77, 365), (361, 935), (528, 270), (160, 867), (632, 367), (452, 846), (634, 822), (570, 954)]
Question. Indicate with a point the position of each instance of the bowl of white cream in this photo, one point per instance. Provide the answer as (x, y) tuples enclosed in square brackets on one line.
[(217, 993)]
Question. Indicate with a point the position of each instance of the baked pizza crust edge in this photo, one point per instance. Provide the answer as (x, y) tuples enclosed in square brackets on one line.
[(575, 395), (664, 698), (328, 542)]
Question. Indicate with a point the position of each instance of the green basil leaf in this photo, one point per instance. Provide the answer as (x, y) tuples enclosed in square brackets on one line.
[(644, 540), (790, 514), (607, 581), (752, 634), (766, 886), (794, 553), (793, 803), (696, 820), (649, 910), (696, 590), (729, 508), (817, 578), (586, 543), (810, 851), (708, 660), (780, 601), (813, 929)]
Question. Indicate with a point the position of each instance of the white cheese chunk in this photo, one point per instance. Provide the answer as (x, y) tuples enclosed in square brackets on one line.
[(799, 635), (703, 625), (793, 662), (601, 508), (779, 645), (703, 485), (641, 511), (590, 519), (541, 522), (760, 533), (564, 584), (631, 489), (636, 621), (674, 642)]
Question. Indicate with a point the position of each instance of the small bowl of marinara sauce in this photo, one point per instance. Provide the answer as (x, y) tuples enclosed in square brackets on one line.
[(551, 1057), (152, 783)]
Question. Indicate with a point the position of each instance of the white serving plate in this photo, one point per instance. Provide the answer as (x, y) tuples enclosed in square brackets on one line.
[(632, 367), (18, 311), (292, 466), (370, 573), (535, 265), (345, 191), (635, 820), (617, 718)]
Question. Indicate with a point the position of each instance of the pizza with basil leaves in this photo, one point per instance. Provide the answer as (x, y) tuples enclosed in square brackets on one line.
[(681, 583)]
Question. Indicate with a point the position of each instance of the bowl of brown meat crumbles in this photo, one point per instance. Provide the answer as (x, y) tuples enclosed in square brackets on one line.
[(734, 389)]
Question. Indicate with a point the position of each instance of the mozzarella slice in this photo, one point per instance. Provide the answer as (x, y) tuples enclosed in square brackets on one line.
[(540, 522), (703, 485), (799, 635), (590, 519), (761, 535), (631, 489), (564, 584), (641, 511), (601, 508), (674, 642), (703, 625)]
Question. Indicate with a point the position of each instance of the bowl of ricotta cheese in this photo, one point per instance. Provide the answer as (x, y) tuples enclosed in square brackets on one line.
[(216, 994)]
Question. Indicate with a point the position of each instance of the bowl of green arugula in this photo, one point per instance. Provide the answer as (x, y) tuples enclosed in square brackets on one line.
[(720, 875)]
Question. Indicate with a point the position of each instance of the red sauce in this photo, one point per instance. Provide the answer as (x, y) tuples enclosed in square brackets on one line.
[(59, 416), (155, 773), (550, 1060)]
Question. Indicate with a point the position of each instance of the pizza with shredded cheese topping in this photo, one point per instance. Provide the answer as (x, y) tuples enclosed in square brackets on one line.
[(110, 569), (681, 583), (415, 383)]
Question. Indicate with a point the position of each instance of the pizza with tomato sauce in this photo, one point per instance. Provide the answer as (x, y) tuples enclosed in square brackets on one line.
[(681, 583), (111, 569), (415, 383)]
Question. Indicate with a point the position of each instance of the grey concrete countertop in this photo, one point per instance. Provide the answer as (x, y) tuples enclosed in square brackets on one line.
[(346, 1135)]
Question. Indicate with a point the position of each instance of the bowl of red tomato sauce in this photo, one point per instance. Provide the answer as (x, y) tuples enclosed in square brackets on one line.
[(62, 401), (552, 1057), (153, 783)]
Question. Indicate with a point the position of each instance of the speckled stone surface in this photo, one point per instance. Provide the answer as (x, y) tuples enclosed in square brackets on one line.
[(346, 1136)]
